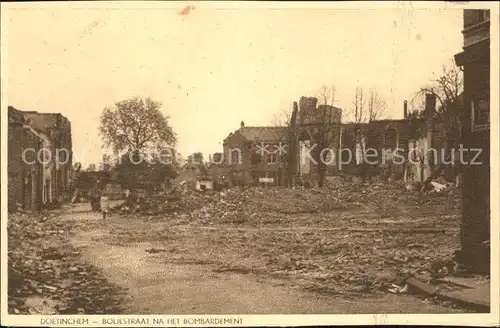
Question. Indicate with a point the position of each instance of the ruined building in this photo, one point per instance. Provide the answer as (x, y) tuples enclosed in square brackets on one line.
[(316, 143), (315, 130), (24, 174), (409, 138), (254, 155), (46, 137), (56, 133)]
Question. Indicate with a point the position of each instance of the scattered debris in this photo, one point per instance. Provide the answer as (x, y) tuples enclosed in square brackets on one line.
[(395, 289), (438, 186), (155, 250), (40, 305), (46, 274), (340, 237)]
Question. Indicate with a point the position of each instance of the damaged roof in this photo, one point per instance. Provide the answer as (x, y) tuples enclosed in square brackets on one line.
[(41, 121), (15, 116)]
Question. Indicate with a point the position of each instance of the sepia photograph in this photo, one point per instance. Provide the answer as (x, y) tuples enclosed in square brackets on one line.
[(249, 163)]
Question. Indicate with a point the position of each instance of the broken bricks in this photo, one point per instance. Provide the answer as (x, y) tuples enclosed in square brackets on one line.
[(53, 279)]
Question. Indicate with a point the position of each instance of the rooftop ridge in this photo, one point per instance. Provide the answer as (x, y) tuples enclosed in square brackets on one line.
[(264, 126), (39, 113)]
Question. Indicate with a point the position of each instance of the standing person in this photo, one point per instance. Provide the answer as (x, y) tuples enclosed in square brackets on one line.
[(76, 183), (360, 155), (95, 197)]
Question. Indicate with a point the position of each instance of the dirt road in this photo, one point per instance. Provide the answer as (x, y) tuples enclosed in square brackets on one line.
[(156, 284)]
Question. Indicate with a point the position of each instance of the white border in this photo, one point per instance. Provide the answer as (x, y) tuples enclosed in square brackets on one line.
[(490, 319)]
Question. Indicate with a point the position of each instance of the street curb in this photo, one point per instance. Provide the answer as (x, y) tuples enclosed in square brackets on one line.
[(431, 290)]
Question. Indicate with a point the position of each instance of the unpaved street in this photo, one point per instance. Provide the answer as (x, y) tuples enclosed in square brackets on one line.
[(172, 268), (256, 250)]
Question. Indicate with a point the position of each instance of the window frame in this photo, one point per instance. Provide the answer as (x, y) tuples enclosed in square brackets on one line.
[(479, 126)]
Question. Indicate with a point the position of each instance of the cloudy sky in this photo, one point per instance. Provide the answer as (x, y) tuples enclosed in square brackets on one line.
[(215, 66)]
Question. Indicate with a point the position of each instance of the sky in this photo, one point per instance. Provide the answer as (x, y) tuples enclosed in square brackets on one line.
[(215, 67)]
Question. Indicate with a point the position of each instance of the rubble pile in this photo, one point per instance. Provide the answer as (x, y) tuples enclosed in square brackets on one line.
[(402, 232), (347, 237), (173, 202), (46, 274), (358, 262), (233, 205), (253, 205), (341, 253), (243, 203), (395, 192)]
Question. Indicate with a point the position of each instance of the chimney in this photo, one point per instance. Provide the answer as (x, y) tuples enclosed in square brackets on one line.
[(405, 109), (242, 124), (430, 104)]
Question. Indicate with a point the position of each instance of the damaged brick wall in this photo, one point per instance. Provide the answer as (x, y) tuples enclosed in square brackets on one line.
[(15, 164), (24, 174), (237, 159), (58, 128), (383, 137)]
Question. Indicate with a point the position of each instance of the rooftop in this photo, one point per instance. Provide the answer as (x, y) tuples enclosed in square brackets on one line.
[(15, 116), (43, 121), (253, 133)]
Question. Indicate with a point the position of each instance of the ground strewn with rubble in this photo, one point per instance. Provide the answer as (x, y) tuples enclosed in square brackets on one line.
[(47, 275), (343, 249)]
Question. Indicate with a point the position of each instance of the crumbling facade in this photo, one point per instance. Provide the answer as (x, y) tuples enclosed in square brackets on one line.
[(40, 158), (475, 63), (316, 143), (266, 155), (24, 170), (317, 133), (55, 130), (398, 147)]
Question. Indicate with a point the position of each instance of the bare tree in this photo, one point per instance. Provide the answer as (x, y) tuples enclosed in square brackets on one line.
[(366, 108), (326, 137), (359, 116), (283, 135), (282, 120), (326, 130), (358, 103), (326, 95), (325, 134), (447, 89), (376, 106)]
